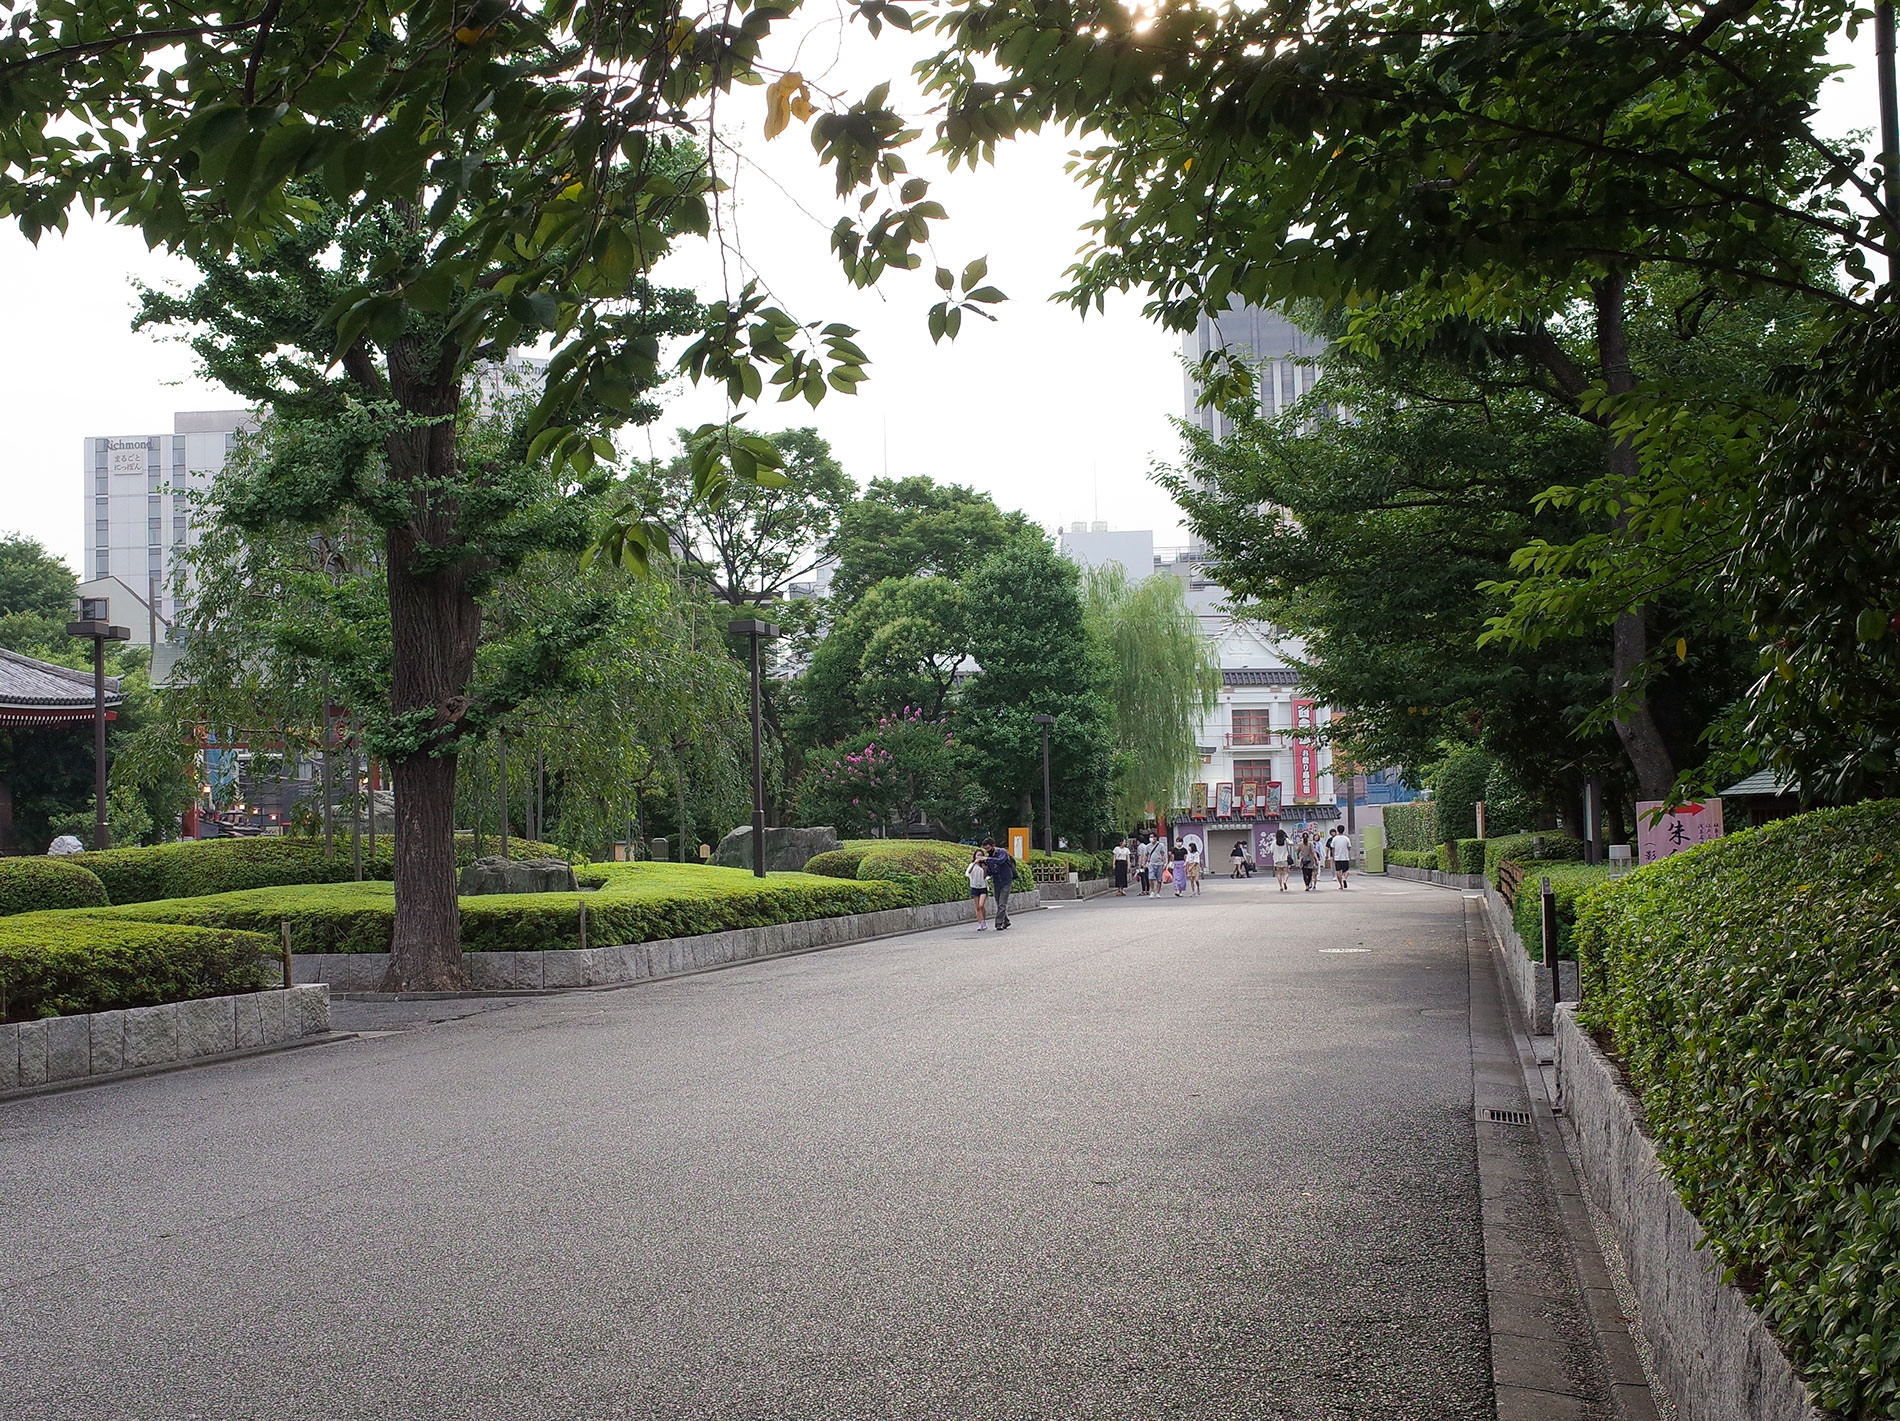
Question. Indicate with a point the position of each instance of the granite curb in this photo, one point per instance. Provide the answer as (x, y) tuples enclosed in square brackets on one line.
[(561, 969), (1714, 1353), (63, 1050)]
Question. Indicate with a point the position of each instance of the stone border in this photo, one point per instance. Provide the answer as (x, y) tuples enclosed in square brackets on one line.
[(1715, 1355), (65, 1049), (643, 962), (1066, 891), (1529, 983), (1468, 881)]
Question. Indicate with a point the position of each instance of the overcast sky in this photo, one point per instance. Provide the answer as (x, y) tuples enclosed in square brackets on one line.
[(1049, 412)]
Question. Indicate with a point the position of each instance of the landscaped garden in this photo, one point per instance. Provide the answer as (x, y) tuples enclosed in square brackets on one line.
[(142, 926)]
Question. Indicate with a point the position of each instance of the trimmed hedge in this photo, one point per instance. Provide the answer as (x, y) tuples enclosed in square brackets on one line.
[(1568, 884), (193, 869), (1752, 988), (1526, 848), (639, 902), (928, 871), (32, 885), (1408, 858), (1412, 828), (65, 962), (841, 862)]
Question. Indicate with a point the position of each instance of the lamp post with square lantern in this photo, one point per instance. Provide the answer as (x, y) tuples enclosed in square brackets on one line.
[(95, 623), (755, 631)]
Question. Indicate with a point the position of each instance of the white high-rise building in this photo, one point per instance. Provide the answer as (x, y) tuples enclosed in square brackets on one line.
[(1279, 351), (138, 512)]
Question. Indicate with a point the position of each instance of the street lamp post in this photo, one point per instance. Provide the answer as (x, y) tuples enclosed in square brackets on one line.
[(95, 623), (756, 631), (1048, 833)]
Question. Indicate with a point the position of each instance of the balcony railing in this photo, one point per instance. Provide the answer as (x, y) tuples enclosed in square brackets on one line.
[(1249, 737)]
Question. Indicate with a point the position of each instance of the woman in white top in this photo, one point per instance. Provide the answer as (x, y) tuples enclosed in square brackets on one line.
[(979, 877), (1282, 857)]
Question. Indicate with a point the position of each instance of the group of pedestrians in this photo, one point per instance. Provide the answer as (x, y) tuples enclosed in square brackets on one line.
[(1157, 867)]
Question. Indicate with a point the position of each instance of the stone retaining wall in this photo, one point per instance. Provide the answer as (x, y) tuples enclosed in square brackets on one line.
[(1469, 881), (1528, 980), (1714, 1355), (71, 1048), (641, 962), (1065, 891)]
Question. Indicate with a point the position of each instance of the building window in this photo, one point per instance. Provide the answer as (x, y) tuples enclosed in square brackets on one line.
[(103, 567), (1252, 727), (1253, 771), (102, 534)]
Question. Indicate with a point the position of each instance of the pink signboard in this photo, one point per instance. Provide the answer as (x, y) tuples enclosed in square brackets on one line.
[(1681, 828)]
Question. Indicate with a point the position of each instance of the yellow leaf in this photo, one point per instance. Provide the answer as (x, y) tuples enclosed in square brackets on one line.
[(1682, 648), (779, 102)]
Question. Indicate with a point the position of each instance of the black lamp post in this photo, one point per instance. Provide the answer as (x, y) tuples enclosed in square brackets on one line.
[(95, 623), (756, 631), (1048, 833)]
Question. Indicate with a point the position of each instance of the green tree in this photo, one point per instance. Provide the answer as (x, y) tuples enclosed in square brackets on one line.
[(1037, 657), (1503, 179), (1163, 679), (905, 767), (916, 527), (36, 594), (753, 540), (407, 192)]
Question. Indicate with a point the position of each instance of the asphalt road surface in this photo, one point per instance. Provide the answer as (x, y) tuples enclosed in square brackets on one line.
[(1132, 1159)]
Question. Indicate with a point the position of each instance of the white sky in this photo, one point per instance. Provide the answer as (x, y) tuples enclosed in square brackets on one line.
[(1048, 412)]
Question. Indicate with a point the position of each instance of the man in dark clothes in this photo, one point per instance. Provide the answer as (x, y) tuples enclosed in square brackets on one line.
[(1002, 874)]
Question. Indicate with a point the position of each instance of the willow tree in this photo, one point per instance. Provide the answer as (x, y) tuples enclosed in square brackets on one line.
[(1163, 679)]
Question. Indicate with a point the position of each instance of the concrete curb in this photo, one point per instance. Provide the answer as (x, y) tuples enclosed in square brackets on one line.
[(64, 1050), (1713, 1353), (560, 968), (1468, 881), (1063, 892)]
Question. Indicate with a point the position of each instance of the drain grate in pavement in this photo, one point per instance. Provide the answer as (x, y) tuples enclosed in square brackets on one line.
[(1508, 1117)]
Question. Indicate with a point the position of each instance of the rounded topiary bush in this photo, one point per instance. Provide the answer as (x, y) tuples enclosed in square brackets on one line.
[(841, 862), (28, 885)]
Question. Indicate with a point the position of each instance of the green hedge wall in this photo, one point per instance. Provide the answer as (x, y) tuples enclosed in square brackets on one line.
[(639, 903), (30, 885), (1409, 858), (62, 963), (927, 870), (842, 862), (1568, 883), (1412, 828), (1752, 988), (1456, 790), (1528, 848), (194, 869)]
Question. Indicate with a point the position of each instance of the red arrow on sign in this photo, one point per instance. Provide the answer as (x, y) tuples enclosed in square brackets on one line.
[(1690, 809)]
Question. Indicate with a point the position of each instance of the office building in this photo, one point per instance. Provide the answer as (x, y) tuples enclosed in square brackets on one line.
[(139, 518), (1279, 351)]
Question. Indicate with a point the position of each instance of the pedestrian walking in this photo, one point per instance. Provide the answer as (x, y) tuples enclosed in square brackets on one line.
[(1180, 870), (1340, 847), (1194, 869), (1309, 861), (1121, 869), (1282, 857), (1239, 858), (1157, 866), (1246, 859), (979, 875), (1002, 870)]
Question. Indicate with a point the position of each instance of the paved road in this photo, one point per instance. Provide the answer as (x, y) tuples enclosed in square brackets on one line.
[(1196, 1158)]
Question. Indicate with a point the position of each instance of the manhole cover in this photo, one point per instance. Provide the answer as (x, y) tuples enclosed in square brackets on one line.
[(1508, 1117)]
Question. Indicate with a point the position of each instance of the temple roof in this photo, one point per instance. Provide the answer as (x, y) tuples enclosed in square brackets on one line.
[(37, 692)]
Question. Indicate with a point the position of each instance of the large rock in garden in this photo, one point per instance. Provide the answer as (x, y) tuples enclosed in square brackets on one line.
[(498, 875), (786, 850)]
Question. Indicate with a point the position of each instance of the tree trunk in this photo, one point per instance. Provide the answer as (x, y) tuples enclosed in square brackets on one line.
[(1629, 637), (435, 624)]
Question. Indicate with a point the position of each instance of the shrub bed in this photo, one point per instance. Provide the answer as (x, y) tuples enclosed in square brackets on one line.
[(928, 871), (638, 902), (1752, 988), (62, 963), (1407, 858), (30, 885), (842, 862), (1525, 848), (193, 869)]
